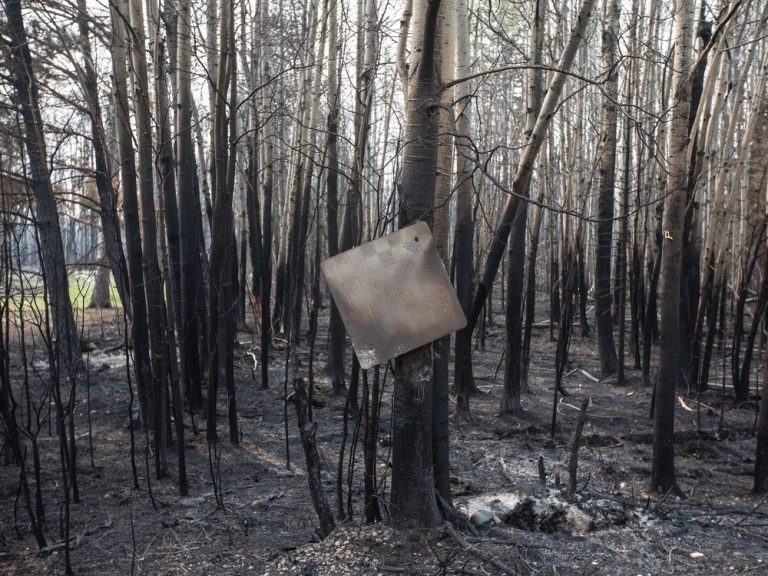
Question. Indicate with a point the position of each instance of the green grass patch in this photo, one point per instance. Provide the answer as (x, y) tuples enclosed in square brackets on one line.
[(81, 289), (27, 290)]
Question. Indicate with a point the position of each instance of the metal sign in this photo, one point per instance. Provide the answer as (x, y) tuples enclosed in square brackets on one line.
[(393, 294)]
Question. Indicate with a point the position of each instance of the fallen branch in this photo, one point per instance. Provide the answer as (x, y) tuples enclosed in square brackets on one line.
[(688, 408), (751, 512), (588, 375), (482, 554)]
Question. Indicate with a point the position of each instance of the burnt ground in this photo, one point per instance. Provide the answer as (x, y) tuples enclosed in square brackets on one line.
[(612, 526)]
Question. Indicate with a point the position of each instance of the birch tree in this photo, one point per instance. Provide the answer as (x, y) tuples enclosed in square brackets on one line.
[(663, 463), (606, 190)]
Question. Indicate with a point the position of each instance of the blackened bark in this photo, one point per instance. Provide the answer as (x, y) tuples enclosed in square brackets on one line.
[(222, 235), (565, 322), (46, 216), (156, 311), (583, 290), (253, 215), (12, 436), (555, 286), (231, 291), (336, 331), (650, 322), (139, 326), (372, 509), (691, 343), (299, 263), (741, 386), (761, 459), (663, 463), (516, 265), (441, 352), (604, 317), (510, 399), (171, 250), (288, 293), (190, 222), (463, 255), (167, 169), (307, 430), (337, 343), (624, 233), (636, 297), (530, 293), (266, 260), (573, 461), (413, 501)]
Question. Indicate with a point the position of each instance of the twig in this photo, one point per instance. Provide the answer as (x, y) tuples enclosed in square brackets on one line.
[(480, 553), (588, 375), (751, 511), (397, 569), (663, 499)]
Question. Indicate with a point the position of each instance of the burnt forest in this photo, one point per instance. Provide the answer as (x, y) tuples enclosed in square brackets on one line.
[(383, 287)]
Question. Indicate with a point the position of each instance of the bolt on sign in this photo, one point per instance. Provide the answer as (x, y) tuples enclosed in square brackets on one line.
[(393, 294)]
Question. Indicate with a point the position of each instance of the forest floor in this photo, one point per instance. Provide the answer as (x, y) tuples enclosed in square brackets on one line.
[(612, 526)]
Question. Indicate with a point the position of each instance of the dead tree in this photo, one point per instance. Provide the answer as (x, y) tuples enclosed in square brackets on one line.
[(307, 431), (46, 216), (604, 321), (190, 221), (663, 463), (221, 294), (414, 502), (464, 231), (513, 369), (134, 251), (525, 166)]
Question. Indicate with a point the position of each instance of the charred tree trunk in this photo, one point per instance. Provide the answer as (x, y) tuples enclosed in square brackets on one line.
[(190, 222), (337, 336), (46, 217), (167, 169), (307, 431), (441, 349), (604, 317), (222, 237), (266, 242), (413, 500), (156, 311), (513, 372), (663, 463), (465, 225), (530, 288), (139, 326)]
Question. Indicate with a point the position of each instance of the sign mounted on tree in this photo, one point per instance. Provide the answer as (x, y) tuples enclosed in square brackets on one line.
[(393, 294)]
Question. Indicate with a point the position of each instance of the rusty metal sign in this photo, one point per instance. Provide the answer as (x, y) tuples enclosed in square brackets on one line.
[(393, 294)]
